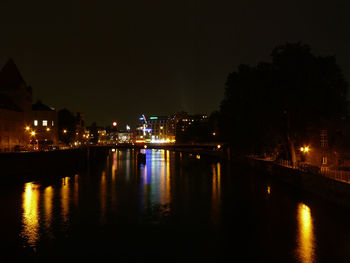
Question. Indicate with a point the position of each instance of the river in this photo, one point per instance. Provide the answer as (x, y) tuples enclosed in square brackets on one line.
[(175, 207)]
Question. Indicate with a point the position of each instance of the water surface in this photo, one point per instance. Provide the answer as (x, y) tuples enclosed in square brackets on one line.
[(173, 207)]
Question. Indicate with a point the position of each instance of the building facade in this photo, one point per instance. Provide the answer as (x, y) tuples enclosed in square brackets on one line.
[(15, 108)]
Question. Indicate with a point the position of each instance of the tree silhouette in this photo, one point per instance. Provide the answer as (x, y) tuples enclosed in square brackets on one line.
[(273, 104)]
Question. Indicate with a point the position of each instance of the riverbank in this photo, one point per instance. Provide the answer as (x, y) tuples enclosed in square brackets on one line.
[(333, 190)]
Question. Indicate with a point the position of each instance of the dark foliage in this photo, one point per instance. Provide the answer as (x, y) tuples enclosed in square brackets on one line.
[(271, 105)]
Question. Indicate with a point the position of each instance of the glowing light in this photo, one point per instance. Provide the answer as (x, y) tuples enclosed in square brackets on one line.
[(153, 118), (27, 128), (268, 190), (145, 146), (64, 131), (35, 122), (219, 146), (33, 133), (127, 127), (115, 124), (305, 149), (198, 156), (113, 150), (48, 129), (214, 133)]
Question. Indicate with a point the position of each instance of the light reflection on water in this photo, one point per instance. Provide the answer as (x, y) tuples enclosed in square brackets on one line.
[(65, 198), (48, 198), (305, 237), (31, 215), (156, 180), (216, 193)]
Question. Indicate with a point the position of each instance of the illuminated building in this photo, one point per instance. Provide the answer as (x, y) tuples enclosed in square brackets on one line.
[(143, 130), (44, 123), (159, 128), (155, 129)]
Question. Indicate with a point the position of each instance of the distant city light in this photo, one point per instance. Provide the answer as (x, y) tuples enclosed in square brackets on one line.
[(115, 123), (27, 128), (33, 133), (127, 127), (64, 131), (219, 146)]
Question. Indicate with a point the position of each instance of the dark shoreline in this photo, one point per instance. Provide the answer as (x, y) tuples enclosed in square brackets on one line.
[(30, 166), (327, 188)]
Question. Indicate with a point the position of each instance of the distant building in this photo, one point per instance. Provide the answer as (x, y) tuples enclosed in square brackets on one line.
[(181, 125), (166, 129), (125, 137)]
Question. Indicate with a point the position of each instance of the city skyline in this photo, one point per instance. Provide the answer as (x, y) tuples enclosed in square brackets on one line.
[(156, 58)]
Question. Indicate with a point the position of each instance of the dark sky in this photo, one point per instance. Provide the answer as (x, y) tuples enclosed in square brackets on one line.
[(114, 60)]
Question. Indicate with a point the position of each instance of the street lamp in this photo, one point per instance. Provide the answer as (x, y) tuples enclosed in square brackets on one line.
[(305, 149)]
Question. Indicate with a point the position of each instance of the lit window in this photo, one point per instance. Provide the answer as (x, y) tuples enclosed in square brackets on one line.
[(35, 122), (52, 123), (44, 122)]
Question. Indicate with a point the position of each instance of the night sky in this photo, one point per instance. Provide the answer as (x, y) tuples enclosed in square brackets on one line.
[(114, 60)]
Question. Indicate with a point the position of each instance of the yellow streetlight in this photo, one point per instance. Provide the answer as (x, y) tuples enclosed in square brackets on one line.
[(33, 133), (64, 131), (48, 129), (27, 128), (305, 149)]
